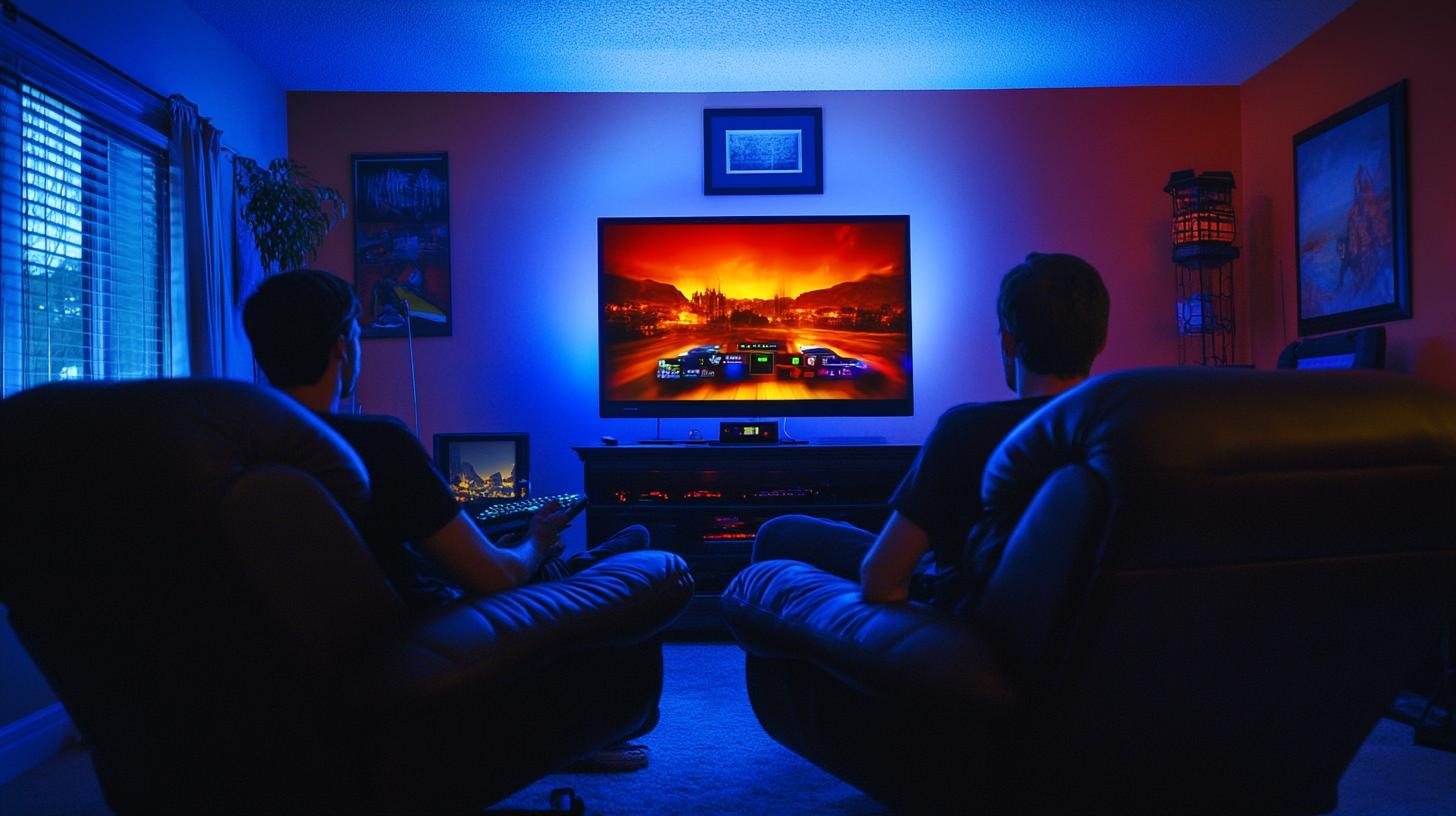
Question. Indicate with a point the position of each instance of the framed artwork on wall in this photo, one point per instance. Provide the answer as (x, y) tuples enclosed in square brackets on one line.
[(1351, 216), (402, 244), (758, 151)]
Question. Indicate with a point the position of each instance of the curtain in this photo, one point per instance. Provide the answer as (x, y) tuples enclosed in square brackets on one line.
[(204, 189), (248, 272)]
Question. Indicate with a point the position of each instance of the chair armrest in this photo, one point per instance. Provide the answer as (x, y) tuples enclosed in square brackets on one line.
[(487, 641), (902, 651)]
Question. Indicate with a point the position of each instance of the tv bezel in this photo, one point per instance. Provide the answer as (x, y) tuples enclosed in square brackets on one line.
[(667, 409)]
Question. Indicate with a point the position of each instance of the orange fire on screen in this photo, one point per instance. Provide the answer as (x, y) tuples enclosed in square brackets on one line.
[(756, 261), (755, 311)]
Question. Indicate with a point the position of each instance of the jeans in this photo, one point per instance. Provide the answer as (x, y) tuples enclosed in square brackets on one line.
[(628, 539), (836, 547)]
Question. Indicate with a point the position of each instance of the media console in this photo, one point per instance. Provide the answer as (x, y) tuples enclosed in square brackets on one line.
[(705, 503)]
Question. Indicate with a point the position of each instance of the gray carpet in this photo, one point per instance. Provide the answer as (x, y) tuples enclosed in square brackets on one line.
[(709, 756)]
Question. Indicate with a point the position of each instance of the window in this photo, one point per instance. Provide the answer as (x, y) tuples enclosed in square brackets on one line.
[(85, 264)]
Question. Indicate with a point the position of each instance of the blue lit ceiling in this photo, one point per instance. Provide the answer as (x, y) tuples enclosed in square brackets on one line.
[(756, 45)]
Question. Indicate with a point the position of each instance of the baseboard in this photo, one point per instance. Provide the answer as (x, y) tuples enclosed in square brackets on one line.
[(33, 739)]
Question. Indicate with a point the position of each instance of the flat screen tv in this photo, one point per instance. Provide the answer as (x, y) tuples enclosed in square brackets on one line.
[(755, 316)]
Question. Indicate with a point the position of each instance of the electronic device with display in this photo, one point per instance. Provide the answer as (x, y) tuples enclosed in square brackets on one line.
[(748, 433), (1362, 348), (754, 316), (485, 468), (489, 474)]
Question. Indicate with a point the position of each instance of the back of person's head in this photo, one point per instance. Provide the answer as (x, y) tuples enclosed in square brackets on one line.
[(293, 319), (1055, 307)]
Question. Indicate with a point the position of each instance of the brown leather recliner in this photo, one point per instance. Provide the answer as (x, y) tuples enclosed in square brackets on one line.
[(1214, 584), (179, 560)]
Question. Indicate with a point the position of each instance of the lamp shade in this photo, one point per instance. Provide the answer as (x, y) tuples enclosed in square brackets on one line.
[(1203, 208)]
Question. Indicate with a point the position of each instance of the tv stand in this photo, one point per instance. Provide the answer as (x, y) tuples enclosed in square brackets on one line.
[(706, 502)]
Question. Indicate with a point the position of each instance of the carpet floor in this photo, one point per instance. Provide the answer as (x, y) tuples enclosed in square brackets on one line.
[(709, 756)]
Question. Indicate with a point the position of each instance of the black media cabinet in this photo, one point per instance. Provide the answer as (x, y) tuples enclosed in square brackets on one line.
[(706, 502)]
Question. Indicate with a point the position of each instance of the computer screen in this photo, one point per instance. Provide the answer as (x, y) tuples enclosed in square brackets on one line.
[(484, 466), (755, 316), (1361, 348), (1326, 361)]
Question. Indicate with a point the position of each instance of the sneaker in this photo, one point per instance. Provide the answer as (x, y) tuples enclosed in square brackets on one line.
[(619, 758)]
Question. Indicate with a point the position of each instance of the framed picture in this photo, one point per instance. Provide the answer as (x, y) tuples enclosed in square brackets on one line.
[(484, 466), (757, 151), (1351, 216), (402, 244)]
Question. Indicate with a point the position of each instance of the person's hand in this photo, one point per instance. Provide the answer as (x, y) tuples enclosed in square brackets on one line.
[(546, 527)]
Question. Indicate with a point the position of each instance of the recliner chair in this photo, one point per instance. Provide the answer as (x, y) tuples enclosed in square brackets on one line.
[(180, 561), (1214, 584)]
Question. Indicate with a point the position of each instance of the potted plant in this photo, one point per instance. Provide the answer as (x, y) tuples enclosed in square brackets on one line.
[(288, 211)]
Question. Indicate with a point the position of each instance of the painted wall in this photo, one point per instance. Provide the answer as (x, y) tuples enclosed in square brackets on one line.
[(1369, 47), (164, 45), (986, 176)]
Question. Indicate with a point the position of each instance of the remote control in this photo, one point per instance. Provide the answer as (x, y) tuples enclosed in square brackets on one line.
[(507, 514)]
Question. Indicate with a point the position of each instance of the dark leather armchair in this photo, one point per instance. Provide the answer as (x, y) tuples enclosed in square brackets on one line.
[(180, 561), (1214, 584)]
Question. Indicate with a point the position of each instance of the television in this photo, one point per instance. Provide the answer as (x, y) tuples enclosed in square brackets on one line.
[(482, 468), (1362, 348), (754, 316)]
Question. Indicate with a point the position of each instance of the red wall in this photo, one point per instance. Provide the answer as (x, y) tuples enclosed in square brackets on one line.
[(986, 176), (1370, 46)]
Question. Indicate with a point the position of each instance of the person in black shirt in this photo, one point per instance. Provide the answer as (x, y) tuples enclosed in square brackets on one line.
[(1052, 311), (304, 330), (305, 333)]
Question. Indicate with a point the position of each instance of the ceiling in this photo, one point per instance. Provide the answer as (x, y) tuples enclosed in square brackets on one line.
[(757, 45)]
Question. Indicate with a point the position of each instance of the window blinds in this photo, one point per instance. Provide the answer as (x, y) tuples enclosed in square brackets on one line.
[(83, 223)]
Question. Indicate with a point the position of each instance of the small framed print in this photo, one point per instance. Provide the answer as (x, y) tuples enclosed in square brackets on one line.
[(763, 151)]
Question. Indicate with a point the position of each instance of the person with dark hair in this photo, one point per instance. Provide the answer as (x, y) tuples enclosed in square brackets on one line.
[(1052, 312), (304, 329)]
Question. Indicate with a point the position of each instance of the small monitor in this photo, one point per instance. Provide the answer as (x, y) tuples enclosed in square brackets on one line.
[(484, 467), (1362, 348)]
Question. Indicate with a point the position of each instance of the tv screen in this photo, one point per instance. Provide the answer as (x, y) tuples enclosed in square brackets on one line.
[(754, 316), (484, 466)]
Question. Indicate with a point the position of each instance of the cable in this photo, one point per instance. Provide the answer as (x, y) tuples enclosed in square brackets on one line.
[(785, 438), (410, 341), (1283, 306)]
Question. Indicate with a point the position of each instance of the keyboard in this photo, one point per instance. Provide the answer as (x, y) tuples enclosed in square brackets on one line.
[(519, 512)]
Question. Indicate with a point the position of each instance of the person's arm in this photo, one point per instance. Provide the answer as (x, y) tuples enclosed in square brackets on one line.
[(481, 567), (884, 575)]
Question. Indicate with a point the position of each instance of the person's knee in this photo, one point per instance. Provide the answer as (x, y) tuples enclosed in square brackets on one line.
[(635, 537), (777, 539)]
